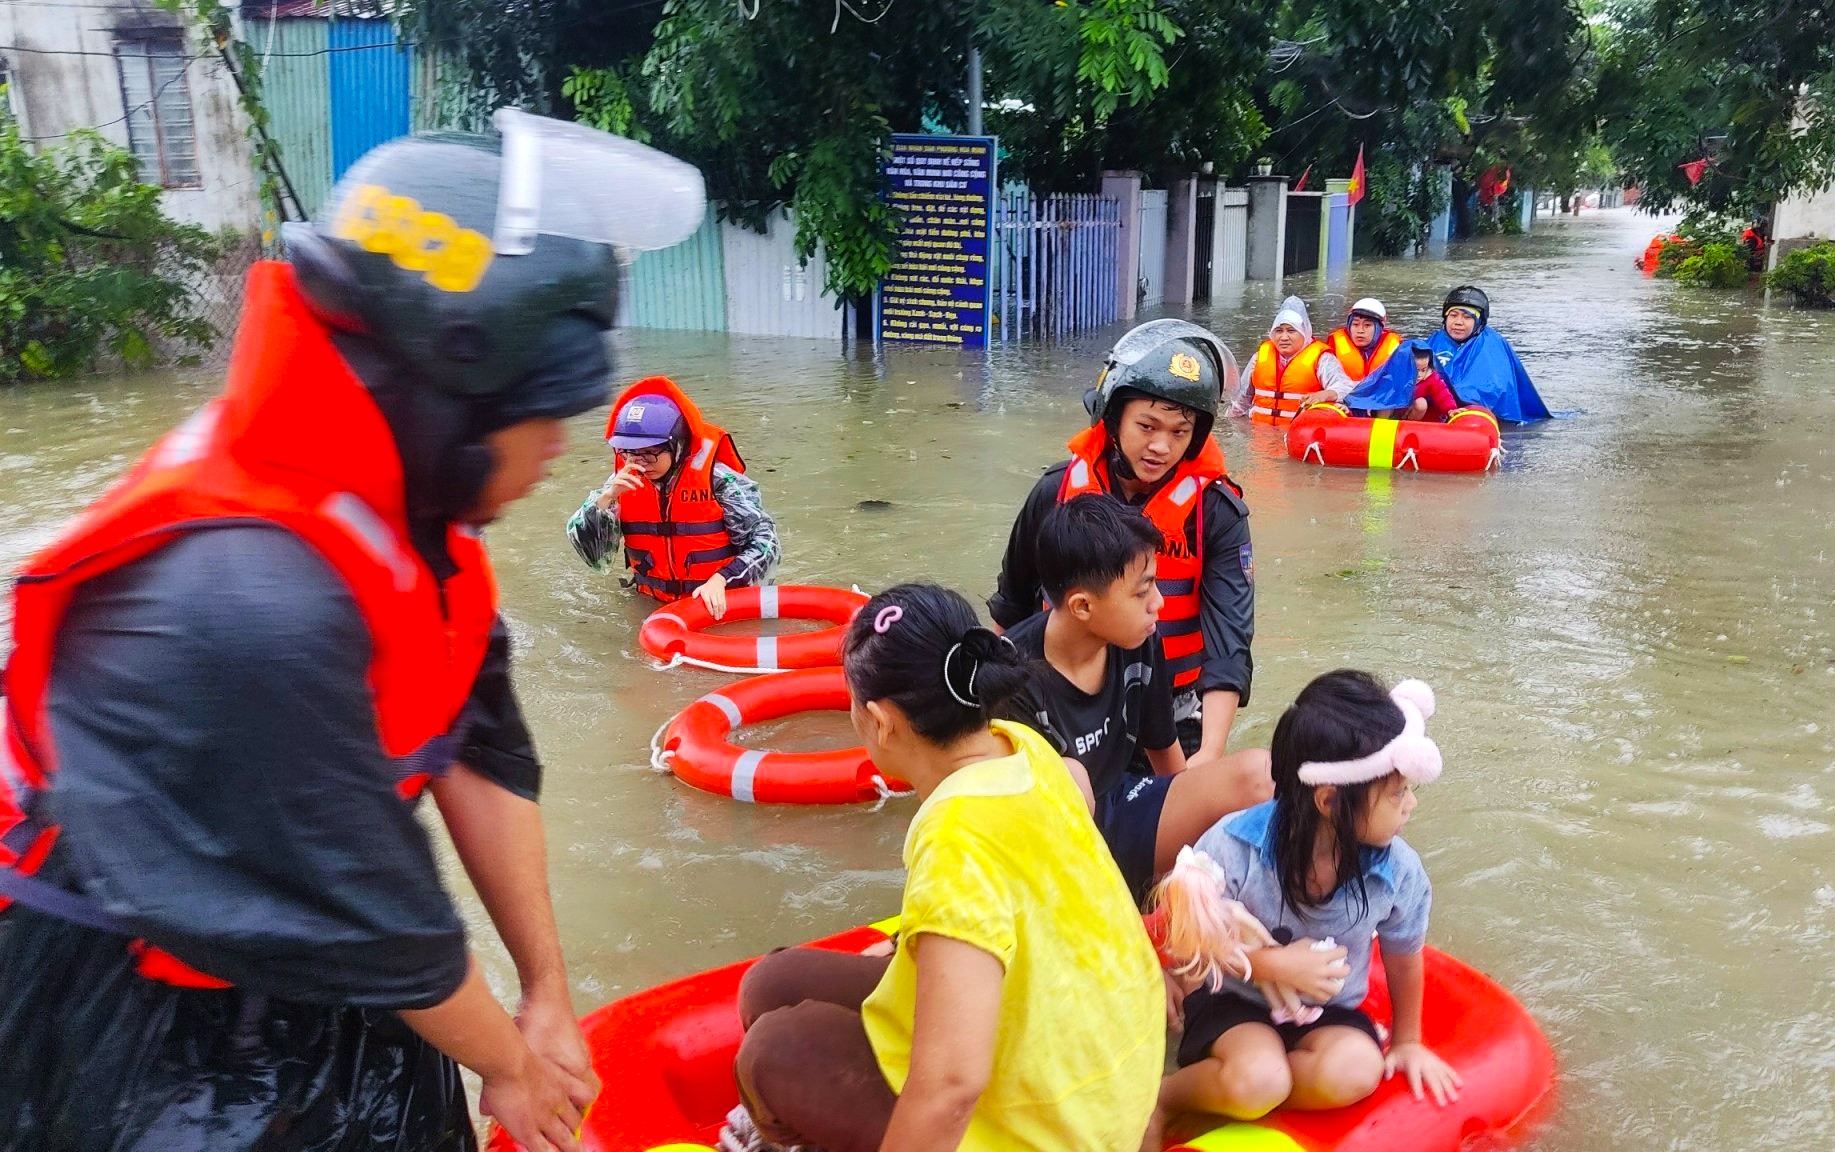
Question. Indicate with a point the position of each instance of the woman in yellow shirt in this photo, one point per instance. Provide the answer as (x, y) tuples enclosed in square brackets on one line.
[(1023, 1007)]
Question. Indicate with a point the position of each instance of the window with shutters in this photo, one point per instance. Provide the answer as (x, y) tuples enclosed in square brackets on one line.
[(158, 102)]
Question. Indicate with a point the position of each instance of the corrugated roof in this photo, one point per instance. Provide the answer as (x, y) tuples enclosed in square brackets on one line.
[(307, 9)]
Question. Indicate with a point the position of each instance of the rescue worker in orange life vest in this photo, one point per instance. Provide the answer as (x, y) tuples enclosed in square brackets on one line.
[(1291, 369), (691, 520), (1149, 443), (1362, 345), (223, 926)]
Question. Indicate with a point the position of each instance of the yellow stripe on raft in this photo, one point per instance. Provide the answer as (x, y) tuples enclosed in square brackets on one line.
[(681, 1148), (1245, 1137), (886, 927), (1382, 443)]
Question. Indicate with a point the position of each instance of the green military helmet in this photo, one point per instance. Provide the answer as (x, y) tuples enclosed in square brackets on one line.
[(1172, 360), (486, 263)]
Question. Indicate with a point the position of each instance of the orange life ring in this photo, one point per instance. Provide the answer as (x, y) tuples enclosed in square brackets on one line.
[(676, 632), (696, 745)]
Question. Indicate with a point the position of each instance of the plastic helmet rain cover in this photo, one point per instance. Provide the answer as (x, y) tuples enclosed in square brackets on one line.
[(564, 179), (1129, 350)]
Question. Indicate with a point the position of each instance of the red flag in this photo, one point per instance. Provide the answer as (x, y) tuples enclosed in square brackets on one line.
[(1300, 184), (1357, 177), (1694, 170)]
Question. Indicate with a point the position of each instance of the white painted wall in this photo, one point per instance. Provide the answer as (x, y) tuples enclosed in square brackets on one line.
[(1804, 216), (63, 76)]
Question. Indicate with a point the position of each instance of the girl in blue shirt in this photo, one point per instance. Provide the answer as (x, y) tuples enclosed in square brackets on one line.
[(1321, 869)]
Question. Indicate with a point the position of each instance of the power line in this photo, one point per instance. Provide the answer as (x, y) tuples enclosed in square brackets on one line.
[(397, 45), (149, 102)]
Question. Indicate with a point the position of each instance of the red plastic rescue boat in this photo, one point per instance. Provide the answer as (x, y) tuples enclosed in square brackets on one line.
[(1328, 434), (666, 1059)]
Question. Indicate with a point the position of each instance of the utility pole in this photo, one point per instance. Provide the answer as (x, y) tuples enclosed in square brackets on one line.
[(974, 90)]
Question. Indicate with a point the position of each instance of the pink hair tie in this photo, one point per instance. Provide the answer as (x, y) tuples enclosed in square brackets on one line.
[(888, 616), (1411, 753)]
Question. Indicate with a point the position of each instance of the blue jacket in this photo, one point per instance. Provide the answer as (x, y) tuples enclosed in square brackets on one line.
[(1484, 370)]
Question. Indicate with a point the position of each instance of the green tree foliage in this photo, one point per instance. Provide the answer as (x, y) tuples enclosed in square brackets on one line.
[(89, 264), (1808, 274), (1717, 265), (1747, 84), (794, 101), (1060, 132), (1473, 83)]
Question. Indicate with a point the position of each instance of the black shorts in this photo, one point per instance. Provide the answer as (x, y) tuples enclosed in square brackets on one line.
[(1208, 1015), (1129, 819)]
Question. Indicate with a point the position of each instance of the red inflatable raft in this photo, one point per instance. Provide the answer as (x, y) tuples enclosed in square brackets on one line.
[(676, 632), (666, 1059), (696, 745), (1328, 434)]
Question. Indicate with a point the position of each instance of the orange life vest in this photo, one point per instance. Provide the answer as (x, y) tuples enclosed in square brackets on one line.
[(675, 540), (1351, 357), (1278, 391), (1177, 510), (294, 440)]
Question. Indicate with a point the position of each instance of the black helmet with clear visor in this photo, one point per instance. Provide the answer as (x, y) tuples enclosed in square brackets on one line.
[(1172, 360), (473, 279)]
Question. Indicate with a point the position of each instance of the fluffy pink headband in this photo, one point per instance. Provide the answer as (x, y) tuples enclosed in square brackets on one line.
[(1412, 754)]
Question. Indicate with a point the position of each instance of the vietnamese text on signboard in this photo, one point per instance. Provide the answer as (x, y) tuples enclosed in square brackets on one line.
[(937, 292)]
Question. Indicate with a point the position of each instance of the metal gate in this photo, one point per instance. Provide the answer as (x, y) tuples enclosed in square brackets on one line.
[(1303, 231), (1053, 264), (1204, 251), (1152, 287), (1233, 236)]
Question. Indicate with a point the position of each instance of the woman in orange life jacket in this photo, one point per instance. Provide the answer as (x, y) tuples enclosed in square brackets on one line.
[(1365, 342), (221, 924), (1149, 444), (1291, 370), (691, 520)]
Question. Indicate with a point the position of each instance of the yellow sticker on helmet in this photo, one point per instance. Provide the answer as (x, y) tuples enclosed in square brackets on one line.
[(1185, 366), (451, 258)]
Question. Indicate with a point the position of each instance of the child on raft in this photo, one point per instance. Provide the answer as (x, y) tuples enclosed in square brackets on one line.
[(1433, 400), (1323, 867), (691, 521), (1023, 1006), (1103, 692)]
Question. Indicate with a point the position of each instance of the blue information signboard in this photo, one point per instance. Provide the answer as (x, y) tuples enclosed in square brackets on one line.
[(937, 292)]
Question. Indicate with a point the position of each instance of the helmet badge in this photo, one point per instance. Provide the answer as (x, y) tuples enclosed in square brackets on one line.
[(1185, 366)]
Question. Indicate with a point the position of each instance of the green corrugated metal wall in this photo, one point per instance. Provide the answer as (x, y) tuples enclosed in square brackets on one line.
[(296, 87), (437, 95), (683, 287)]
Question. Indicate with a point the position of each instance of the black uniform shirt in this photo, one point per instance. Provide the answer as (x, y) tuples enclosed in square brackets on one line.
[(221, 782), (1226, 594), (1099, 730)]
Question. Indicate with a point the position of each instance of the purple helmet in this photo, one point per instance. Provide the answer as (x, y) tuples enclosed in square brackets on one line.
[(646, 422)]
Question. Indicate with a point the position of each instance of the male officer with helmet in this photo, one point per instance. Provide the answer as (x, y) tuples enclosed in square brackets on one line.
[(233, 675)]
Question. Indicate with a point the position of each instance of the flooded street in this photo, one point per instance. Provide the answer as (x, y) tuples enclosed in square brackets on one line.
[(1629, 630)]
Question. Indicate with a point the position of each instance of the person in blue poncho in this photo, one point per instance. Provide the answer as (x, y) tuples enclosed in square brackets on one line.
[(1478, 364)]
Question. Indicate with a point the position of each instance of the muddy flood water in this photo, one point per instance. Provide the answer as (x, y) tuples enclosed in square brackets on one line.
[(1629, 628)]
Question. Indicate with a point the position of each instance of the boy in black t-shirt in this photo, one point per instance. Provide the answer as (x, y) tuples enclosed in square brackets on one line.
[(1104, 692)]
